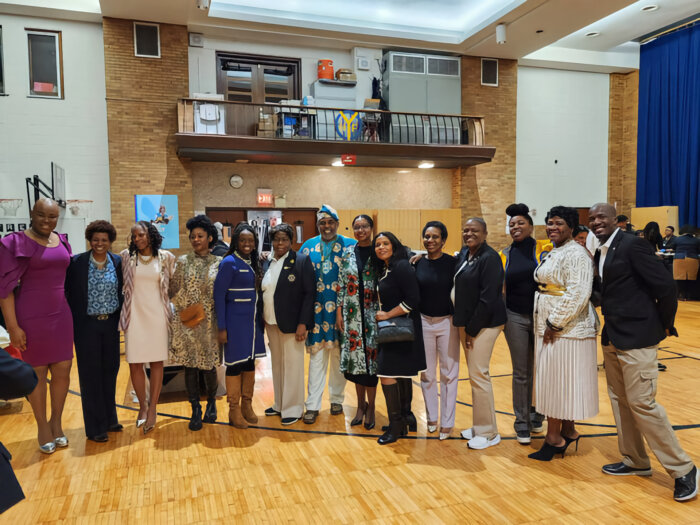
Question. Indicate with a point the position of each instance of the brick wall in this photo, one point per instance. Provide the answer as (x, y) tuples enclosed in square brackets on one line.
[(142, 95), (622, 141), (486, 190)]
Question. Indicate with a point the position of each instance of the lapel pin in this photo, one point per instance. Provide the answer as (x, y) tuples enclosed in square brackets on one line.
[(291, 278)]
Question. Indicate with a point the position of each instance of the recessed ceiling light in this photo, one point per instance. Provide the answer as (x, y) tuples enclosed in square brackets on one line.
[(592, 34), (337, 163), (324, 169), (649, 8), (426, 164), (404, 171)]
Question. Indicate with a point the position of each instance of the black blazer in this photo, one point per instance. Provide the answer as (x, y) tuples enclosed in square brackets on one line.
[(479, 291), (638, 297), (77, 286), (295, 293), (17, 379)]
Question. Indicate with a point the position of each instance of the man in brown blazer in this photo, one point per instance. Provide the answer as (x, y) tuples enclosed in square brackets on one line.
[(639, 305)]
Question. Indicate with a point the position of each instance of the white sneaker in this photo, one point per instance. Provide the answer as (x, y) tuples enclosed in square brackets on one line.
[(480, 442), (467, 434)]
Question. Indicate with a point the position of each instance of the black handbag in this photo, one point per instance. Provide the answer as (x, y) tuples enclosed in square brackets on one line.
[(395, 330)]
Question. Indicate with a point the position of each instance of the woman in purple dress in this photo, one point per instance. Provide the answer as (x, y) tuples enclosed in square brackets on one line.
[(33, 267)]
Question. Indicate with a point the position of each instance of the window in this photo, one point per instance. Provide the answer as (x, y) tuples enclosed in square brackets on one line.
[(146, 40), (2, 76), (258, 79), (45, 64)]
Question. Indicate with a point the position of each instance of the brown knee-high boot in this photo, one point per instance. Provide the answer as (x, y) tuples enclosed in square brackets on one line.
[(233, 395), (247, 388)]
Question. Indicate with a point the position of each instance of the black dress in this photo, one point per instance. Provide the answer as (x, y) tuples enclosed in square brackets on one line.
[(399, 286)]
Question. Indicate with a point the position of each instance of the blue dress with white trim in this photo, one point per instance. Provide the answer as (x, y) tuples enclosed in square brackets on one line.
[(236, 301)]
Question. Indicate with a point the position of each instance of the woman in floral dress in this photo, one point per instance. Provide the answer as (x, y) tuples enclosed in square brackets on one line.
[(357, 307)]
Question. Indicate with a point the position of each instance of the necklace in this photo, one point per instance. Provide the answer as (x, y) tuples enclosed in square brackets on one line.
[(98, 265), (248, 261), (145, 260)]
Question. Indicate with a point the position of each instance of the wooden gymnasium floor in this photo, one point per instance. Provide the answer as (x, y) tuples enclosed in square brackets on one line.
[(330, 472)]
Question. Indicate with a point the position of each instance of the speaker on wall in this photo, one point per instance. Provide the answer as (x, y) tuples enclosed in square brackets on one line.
[(489, 72)]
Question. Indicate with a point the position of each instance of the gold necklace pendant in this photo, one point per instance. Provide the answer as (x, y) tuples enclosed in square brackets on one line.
[(145, 260)]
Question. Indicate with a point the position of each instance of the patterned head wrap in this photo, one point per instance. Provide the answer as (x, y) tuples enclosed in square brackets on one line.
[(326, 211)]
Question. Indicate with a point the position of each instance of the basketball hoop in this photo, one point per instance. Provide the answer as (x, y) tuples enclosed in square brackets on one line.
[(9, 206), (79, 207)]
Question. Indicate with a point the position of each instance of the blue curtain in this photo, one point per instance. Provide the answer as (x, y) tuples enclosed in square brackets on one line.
[(668, 140)]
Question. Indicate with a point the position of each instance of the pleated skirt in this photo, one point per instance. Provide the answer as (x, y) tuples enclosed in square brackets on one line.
[(566, 378)]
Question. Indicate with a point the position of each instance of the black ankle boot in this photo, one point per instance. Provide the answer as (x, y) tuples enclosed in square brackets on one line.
[(196, 419), (406, 392), (212, 384), (397, 426)]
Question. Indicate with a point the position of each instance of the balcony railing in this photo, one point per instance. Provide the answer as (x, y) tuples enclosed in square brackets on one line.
[(286, 122)]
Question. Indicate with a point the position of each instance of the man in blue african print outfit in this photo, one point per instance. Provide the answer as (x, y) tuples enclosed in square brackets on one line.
[(326, 253)]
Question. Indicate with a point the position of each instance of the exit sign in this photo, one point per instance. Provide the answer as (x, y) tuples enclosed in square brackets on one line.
[(265, 197)]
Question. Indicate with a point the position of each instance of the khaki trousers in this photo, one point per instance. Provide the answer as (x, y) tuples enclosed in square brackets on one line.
[(632, 376), (478, 359), (287, 362)]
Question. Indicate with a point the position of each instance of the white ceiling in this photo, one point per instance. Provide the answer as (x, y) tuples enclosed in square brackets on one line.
[(545, 33)]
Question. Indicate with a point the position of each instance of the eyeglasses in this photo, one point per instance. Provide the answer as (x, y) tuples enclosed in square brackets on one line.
[(361, 227)]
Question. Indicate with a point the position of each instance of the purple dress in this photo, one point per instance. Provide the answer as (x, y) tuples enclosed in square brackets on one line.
[(40, 301)]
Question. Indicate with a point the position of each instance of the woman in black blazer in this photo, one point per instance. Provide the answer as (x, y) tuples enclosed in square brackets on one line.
[(397, 363), (480, 314), (94, 291), (289, 292)]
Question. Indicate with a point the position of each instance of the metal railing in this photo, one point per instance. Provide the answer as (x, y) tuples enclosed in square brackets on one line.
[(282, 121)]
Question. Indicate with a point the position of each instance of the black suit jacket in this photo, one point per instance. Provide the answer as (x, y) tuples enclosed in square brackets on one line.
[(77, 286), (295, 293), (17, 379), (479, 291), (638, 297)]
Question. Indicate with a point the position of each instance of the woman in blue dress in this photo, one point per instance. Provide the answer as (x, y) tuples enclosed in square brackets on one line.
[(238, 304)]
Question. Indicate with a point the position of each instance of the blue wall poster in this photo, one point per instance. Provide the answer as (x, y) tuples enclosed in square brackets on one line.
[(161, 211)]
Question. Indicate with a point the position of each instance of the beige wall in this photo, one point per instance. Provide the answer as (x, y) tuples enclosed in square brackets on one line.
[(309, 187)]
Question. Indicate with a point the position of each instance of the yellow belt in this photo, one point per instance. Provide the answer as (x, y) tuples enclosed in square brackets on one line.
[(550, 289)]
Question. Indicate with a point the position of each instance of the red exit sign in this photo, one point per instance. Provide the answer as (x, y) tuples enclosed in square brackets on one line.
[(265, 197)]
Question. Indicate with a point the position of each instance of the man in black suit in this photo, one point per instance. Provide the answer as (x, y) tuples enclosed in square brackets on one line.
[(17, 379), (639, 306)]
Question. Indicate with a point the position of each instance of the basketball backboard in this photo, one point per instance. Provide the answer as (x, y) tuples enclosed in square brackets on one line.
[(58, 184)]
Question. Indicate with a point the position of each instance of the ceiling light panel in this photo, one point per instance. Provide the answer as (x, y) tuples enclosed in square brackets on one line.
[(453, 22)]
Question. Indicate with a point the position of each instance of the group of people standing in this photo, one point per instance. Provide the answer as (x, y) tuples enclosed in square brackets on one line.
[(367, 311)]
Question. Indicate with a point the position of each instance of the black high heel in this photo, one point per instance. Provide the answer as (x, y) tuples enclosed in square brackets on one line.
[(361, 409), (571, 440), (547, 452)]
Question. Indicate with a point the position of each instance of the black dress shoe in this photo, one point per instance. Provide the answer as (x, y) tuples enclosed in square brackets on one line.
[(662, 367), (116, 428), (687, 486), (620, 469), (289, 420), (272, 412), (99, 438)]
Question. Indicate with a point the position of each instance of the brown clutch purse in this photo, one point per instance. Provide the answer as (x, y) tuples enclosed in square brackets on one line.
[(192, 315)]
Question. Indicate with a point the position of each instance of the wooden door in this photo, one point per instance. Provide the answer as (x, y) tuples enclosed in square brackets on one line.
[(301, 219)]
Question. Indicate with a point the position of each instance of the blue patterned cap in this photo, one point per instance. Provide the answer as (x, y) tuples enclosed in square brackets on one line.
[(326, 211)]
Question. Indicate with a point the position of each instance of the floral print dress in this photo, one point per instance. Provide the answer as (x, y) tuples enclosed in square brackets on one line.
[(356, 294)]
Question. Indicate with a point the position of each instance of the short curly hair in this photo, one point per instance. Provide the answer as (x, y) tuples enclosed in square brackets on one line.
[(203, 222), (101, 227), (154, 237), (282, 227), (436, 224), (570, 215)]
